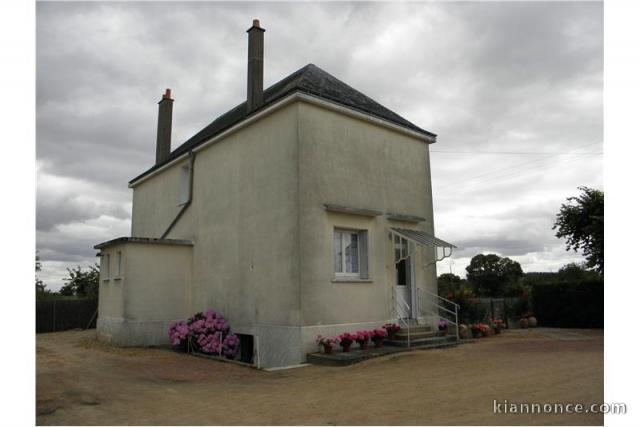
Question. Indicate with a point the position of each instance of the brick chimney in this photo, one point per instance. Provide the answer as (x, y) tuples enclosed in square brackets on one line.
[(163, 141), (255, 66)]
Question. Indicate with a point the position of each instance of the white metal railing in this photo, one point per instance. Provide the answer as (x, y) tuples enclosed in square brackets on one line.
[(427, 303), (442, 308), (401, 309)]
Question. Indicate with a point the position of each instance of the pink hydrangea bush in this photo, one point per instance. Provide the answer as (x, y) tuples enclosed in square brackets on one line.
[(206, 332), (230, 345), (178, 333)]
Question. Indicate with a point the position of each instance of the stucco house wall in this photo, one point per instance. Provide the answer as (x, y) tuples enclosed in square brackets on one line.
[(262, 239), (243, 224), (149, 289), (351, 162)]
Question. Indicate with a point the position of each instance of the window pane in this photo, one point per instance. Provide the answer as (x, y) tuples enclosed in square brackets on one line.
[(337, 250), (351, 253)]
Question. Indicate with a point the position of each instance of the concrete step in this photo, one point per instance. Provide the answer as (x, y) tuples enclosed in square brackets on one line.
[(339, 358), (415, 329), (419, 342), (403, 335)]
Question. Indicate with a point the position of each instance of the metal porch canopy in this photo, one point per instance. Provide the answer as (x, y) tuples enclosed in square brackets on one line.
[(426, 239)]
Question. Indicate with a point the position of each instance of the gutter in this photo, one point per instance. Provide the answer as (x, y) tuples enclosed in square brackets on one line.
[(192, 159)]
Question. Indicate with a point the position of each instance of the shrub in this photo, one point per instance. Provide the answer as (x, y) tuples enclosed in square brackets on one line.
[(570, 305), (206, 332)]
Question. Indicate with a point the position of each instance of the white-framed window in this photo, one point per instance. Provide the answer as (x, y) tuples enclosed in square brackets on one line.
[(185, 184), (350, 253)]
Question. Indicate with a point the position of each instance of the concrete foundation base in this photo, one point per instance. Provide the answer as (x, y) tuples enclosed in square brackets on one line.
[(274, 345)]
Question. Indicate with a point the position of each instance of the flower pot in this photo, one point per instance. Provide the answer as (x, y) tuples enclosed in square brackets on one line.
[(346, 347), (496, 330), (524, 323), (476, 333), (364, 345), (328, 348), (463, 330), (378, 343), (532, 321)]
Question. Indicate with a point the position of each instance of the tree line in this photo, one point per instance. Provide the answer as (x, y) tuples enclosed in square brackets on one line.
[(580, 221), (79, 283)]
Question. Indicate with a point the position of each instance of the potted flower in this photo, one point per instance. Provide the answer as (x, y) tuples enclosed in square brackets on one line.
[(463, 330), (345, 340), (362, 338), (485, 329), (443, 324), (497, 325), (524, 322), (531, 320), (392, 329), (378, 336), (479, 330), (476, 330), (327, 343)]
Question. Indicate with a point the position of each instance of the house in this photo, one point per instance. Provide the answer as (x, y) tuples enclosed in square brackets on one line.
[(304, 210)]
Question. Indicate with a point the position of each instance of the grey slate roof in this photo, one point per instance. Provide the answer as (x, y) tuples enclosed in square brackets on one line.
[(309, 79)]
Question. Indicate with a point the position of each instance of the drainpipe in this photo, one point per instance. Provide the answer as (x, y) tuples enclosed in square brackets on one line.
[(192, 158)]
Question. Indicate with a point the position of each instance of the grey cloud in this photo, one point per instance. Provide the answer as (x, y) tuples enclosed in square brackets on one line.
[(502, 76), (65, 210)]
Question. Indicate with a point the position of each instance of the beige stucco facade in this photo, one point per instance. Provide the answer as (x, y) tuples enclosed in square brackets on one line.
[(143, 285), (261, 235)]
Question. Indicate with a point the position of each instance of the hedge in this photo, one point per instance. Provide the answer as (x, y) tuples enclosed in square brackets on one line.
[(569, 304), (62, 314)]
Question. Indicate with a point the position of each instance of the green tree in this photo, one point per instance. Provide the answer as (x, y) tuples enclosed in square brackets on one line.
[(490, 274), (574, 272), (581, 223), (448, 283), (40, 286), (82, 283)]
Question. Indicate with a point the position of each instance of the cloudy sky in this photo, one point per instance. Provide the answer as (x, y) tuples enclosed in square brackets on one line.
[(513, 90)]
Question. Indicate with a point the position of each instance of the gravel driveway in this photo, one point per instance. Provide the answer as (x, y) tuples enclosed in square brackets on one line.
[(81, 381)]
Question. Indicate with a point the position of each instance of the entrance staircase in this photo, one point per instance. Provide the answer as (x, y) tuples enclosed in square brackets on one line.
[(423, 337), (431, 309)]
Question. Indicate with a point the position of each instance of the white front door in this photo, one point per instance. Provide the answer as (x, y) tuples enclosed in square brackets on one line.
[(404, 285)]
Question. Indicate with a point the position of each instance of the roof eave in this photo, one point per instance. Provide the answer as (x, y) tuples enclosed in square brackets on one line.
[(294, 95)]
